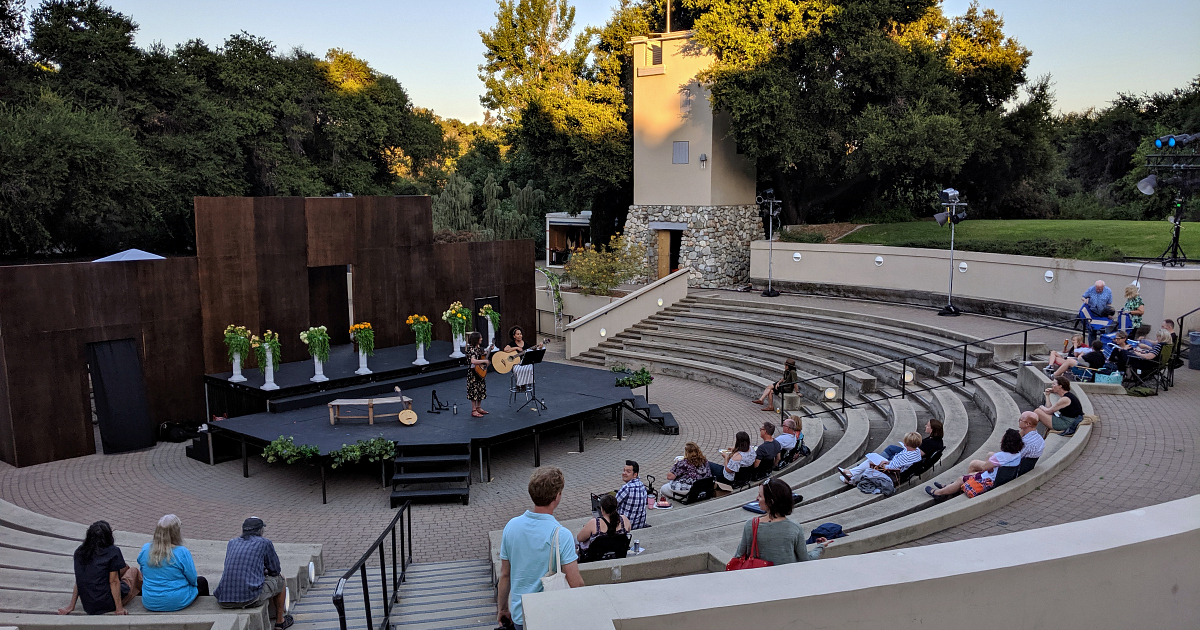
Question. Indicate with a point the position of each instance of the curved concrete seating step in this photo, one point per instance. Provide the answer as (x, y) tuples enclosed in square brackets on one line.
[(739, 381), (759, 367), (998, 406), (926, 342), (28, 602), (913, 330), (889, 373), (884, 348), (770, 350), (178, 621)]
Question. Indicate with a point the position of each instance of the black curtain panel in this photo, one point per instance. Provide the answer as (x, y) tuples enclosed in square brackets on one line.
[(120, 392)]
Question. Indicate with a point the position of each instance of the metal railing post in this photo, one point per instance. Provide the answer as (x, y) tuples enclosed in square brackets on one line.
[(1025, 347), (366, 596), (395, 577), (903, 377), (964, 365), (843, 391), (387, 598)]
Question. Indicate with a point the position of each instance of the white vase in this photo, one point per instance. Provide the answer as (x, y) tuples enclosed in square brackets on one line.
[(319, 369), (420, 355), (269, 370), (237, 369), (491, 340), (457, 354), (362, 363)]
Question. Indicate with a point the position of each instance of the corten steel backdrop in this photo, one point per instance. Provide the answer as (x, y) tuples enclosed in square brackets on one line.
[(255, 267), (48, 316)]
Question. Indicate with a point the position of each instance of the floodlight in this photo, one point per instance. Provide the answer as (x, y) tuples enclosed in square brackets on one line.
[(941, 218), (1165, 141), (949, 196), (1149, 184)]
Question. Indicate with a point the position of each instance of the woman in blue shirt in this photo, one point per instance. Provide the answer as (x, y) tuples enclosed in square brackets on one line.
[(169, 580)]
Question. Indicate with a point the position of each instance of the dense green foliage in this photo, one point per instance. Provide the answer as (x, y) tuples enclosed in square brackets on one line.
[(1086, 239)]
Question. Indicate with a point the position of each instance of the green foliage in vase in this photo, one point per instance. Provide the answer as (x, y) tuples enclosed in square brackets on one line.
[(237, 340), (269, 340)]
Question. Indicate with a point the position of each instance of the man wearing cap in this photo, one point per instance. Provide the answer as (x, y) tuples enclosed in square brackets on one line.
[(252, 574)]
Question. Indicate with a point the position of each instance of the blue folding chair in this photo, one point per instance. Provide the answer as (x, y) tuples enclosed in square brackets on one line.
[(1092, 324)]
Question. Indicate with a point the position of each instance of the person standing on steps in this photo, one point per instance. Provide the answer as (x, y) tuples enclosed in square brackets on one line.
[(526, 548)]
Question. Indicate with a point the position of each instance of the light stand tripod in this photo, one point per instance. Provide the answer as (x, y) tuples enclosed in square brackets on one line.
[(949, 199), (772, 211)]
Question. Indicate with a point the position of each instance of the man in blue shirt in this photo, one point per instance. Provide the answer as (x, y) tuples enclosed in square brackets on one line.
[(526, 549), (1099, 299), (252, 574)]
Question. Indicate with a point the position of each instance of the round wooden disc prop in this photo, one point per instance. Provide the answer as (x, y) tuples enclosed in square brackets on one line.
[(408, 417)]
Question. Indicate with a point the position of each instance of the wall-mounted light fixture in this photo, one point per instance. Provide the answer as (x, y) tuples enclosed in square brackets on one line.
[(962, 267), (603, 332), (703, 160), (830, 393), (660, 301), (879, 261), (796, 257), (908, 377), (1049, 276)]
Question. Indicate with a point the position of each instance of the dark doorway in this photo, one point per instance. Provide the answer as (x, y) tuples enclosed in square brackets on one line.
[(328, 302), (481, 321), (120, 396), (676, 244)]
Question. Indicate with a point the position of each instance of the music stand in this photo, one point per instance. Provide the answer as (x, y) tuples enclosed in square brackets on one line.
[(532, 358)]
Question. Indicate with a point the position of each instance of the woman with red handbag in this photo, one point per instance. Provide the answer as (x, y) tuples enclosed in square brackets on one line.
[(773, 539)]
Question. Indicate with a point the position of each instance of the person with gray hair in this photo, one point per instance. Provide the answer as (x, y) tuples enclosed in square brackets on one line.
[(252, 574), (1099, 300)]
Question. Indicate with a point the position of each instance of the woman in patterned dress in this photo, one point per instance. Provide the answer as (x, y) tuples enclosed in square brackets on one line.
[(476, 385)]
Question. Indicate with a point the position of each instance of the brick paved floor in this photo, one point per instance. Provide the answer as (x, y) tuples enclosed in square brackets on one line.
[(1144, 453), (132, 490)]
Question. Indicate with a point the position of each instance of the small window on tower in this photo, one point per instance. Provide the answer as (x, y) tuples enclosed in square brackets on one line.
[(679, 153), (654, 55)]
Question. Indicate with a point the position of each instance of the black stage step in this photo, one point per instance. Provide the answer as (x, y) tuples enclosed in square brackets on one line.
[(669, 425), (365, 390), (639, 403), (656, 413), (430, 477), (406, 460), (431, 495)]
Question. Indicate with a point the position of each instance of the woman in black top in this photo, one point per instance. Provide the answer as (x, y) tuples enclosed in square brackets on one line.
[(787, 384), (1065, 413), (103, 582), (930, 445)]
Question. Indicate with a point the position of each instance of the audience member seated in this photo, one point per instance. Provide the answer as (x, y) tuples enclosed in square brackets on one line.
[(1033, 441), (169, 579), (1072, 350), (1066, 413), (631, 498), (608, 521), (790, 436), (766, 455), (689, 469), (894, 466), (1093, 358), (1099, 300), (103, 582), (1169, 326), (735, 458), (930, 445), (1119, 351), (981, 476), (252, 574), (785, 385), (1144, 355), (780, 540), (1135, 307)]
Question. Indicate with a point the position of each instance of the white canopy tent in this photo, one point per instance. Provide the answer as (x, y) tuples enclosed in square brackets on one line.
[(130, 254)]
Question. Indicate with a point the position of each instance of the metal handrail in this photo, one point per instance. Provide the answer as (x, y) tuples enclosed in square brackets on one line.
[(905, 388), (405, 559)]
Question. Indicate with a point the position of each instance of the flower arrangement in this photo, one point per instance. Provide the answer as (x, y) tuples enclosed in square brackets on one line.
[(422, 328), (271, 340), (364, 336), (286, 450), (492, 314), (457, 317), (317, 340), (237, 340)]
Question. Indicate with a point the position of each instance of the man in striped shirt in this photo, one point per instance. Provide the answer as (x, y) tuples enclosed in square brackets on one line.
[(896, 465), (1034, 442)]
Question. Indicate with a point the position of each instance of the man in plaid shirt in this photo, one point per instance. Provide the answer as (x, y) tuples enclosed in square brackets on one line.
[(631, 498), (252, 574)]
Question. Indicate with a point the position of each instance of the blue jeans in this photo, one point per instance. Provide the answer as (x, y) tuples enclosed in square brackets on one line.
[(892, 451)]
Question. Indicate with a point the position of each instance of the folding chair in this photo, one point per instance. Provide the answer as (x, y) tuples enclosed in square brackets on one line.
[(1143, 372), (1092, 325)]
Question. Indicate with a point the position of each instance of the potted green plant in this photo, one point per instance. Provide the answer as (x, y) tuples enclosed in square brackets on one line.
[(237, 342), (317, 340)]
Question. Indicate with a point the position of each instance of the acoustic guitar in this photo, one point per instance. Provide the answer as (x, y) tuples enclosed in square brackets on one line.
[(481, 369), (504, 362)]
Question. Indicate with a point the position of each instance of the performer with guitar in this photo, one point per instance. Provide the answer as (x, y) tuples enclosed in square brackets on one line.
[(514, 350), (476, 385)]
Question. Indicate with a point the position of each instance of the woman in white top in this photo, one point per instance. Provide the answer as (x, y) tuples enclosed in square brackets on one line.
[(983, 474), (737, 457)]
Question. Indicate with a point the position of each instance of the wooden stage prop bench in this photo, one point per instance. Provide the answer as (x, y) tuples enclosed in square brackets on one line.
[(335, 408)]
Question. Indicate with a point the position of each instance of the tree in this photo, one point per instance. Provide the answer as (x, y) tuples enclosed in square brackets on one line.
[(525, 53)]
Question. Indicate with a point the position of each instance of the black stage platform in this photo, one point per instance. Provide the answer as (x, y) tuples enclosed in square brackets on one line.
[(390, 367), (570, 392)]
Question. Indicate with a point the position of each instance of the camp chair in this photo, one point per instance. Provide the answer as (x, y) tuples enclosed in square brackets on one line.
[(1005, 474), (703, 489), (920, 467), (1144, 372), (1092, 325)]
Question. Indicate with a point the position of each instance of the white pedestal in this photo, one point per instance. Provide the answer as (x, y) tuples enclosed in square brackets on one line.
[(237, 369), (362, 363), (491, 340), (420, 356), (269, 370), (458, 342), (319, 371)]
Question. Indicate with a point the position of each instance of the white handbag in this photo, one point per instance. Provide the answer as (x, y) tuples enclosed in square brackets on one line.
[(555, 579)]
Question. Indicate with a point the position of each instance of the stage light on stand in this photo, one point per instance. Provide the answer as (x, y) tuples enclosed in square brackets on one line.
[(771, 211), (1148, 185), (950, 200)]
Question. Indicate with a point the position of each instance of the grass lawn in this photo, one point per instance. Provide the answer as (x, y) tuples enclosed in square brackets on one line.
[(1133, 238)]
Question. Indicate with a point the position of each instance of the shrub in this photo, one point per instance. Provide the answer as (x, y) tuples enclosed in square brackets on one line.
[(1080, 249), (598, 271), (792, 236)]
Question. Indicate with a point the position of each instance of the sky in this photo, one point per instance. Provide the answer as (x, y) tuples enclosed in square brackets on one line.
[(1092, 49)]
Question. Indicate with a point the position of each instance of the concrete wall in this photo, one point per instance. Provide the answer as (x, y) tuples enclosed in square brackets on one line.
[(669, 105), (1134, 569), (586, 333), (1167, 292)]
